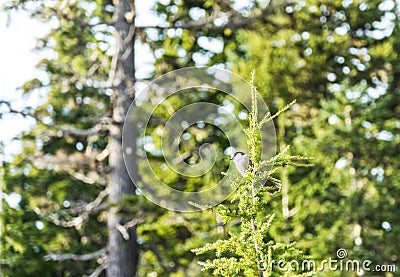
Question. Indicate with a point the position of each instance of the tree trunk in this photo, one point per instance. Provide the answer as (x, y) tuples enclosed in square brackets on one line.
[(122, 252)]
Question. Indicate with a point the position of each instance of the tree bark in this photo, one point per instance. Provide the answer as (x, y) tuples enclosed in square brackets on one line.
[(122, 252)]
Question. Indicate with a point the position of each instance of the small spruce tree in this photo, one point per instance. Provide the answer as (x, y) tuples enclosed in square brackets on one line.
[(250, 251)]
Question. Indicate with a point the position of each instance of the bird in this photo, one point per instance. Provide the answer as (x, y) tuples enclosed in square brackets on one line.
[(242, 162)]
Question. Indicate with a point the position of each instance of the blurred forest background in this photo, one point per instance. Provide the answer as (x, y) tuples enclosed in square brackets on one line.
[(78, 213)]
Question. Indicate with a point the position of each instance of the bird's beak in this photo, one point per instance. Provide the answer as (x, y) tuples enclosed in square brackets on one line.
[(230, 159)]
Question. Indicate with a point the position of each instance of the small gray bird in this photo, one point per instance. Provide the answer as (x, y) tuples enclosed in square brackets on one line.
[(242, 162)]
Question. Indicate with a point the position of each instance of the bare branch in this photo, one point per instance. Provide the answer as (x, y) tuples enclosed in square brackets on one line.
[(157, 253), (91, 179), (133, 222), (70, 256), (85, 211), (98, 270), (66, 130), (76, 221), (104, 154), (124, 229), (92, 205), (80, 165)]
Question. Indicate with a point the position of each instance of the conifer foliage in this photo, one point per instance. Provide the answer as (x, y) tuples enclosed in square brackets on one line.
[(249, 250)]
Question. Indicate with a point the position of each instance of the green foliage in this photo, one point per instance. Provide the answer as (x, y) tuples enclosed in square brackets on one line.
[(55, 174), (250, 250), (336, 58), (347, 108), (28, 235)]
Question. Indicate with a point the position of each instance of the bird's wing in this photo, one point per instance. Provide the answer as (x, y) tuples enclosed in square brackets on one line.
[(242, 167)]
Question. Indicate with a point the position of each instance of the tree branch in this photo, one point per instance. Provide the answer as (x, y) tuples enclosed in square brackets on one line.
[(234, 23), (76, 221), (157, 253), (123, 229), (66, 130), (133, 222), (91, 179), (70, 256), (99, 269), (92, 205), (85, 211)]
